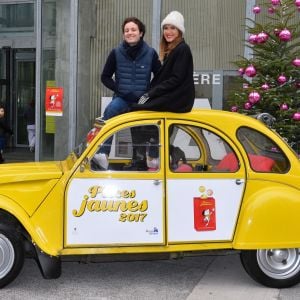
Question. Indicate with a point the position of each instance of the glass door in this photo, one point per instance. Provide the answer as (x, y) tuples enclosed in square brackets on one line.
[(24, 80), (4, 80)]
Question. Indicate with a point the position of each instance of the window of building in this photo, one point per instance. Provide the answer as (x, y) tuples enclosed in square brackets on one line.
[(16, 18)]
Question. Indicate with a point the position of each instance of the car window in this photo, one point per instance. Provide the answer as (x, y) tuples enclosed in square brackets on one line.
[(195, 149), (134, 148), (263, 153)]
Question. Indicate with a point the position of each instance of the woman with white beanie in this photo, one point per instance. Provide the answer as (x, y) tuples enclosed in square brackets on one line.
[(172, 88)]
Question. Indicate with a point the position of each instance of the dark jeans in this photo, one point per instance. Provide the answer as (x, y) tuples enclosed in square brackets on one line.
[(141, 136), (116, 107), (2, 143)]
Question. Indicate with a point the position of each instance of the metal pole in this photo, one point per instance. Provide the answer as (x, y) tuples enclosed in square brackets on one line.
[(248, 53), (156, 24), (73, 74), (38, 59)]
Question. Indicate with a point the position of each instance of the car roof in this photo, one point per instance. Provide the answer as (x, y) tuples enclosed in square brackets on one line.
[(217, 118)]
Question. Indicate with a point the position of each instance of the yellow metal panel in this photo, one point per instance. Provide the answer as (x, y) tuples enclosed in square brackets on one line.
[(28, 194), (269, 216), (48, 220), (148, 249)]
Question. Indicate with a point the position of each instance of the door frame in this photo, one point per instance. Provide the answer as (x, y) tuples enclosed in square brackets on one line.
[(19, 56)]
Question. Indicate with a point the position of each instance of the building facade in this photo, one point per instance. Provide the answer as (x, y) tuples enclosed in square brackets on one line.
[(48, 44)]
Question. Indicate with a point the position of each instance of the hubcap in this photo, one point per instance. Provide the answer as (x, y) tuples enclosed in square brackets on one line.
[(279, 263), (7, 255)]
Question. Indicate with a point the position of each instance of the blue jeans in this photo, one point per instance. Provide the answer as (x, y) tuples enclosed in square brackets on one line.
[(2, 143), (116, 107)]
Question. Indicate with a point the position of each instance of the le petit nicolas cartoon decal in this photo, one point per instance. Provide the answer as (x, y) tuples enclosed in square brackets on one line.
[(204, 210)]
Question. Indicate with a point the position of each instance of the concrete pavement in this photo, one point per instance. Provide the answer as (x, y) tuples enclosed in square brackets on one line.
[(226, 279), (191, 278)]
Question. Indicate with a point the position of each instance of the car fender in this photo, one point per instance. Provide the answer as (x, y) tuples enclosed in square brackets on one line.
[(13, 208), (269, 217)]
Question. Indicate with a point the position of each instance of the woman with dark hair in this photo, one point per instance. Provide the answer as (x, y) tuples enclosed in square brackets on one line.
[(172, 88), (178, 160), (131, 64)]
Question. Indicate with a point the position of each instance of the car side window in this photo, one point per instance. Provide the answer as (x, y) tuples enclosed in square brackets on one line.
[(195, 149), (134, 148), (263, 153)]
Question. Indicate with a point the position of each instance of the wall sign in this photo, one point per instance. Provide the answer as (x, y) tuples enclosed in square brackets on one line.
[(54, 101)]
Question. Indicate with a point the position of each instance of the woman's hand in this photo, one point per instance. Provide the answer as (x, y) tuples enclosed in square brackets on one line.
[(143, 99)]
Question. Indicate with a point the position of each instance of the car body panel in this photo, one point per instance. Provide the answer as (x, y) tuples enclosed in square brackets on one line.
[(253, 210), (269, 216)]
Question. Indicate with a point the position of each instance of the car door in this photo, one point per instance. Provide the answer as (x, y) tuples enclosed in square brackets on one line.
[(205, 183), (123, 204)]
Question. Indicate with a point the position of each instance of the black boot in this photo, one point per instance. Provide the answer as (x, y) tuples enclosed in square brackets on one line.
[(138, 162), (1, 159)]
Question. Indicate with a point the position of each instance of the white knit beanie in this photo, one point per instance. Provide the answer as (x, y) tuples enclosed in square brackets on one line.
[(174, 18)]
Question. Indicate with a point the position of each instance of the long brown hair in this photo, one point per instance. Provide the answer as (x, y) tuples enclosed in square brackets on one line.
[(165, 48)]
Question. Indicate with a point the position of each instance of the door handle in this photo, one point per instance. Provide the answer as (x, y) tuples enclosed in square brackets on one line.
[(157, 182), (239, 181)]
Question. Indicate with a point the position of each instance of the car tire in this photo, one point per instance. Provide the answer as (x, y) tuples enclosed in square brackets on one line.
[(11, 256), (275, 268)]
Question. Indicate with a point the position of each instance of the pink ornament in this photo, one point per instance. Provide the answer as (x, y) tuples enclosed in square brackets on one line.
[(250, 71), (296, 62), (276, 31), (297, 3), (256, 9), (234, 108), (241, 71), (262, 37), (254, 97), (247, 105), (265, 86), (275, 2), (252, 39), (271, 10), (281, 79), (296, 116), (285, 35), (284, 106)]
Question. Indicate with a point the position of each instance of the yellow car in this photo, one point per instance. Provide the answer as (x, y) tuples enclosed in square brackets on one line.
[(158, 183)]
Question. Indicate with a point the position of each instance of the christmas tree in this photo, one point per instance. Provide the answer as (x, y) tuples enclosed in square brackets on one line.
[(270, 79)]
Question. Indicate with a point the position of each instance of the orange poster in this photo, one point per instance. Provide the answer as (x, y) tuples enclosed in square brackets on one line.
[(204, 214), (54, 101)]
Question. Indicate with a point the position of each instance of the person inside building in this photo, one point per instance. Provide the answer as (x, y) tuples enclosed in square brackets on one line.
[(4, 130), (29, 116), (127, 72), (172, 88)]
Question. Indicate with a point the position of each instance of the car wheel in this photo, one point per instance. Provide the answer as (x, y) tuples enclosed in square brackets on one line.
[(11, 256), (276, 268)]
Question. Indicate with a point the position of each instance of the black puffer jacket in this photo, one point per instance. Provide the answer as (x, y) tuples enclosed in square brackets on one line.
[(172, 88), (4, 128)]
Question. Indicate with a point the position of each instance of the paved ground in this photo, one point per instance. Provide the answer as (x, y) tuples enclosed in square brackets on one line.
[(193, 278), (18, 155)]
